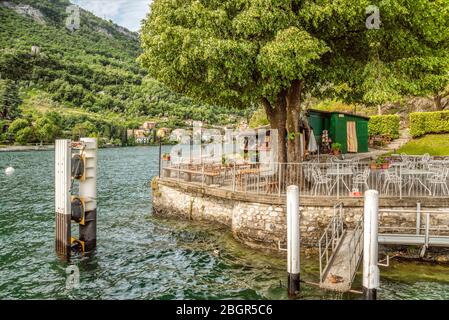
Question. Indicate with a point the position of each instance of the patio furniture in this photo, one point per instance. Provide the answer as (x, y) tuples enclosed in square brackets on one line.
[(404, 157), (319, 179), (362, 179), (416, 177), (424, 162), (339, 173), (439, 180), (391, 178)]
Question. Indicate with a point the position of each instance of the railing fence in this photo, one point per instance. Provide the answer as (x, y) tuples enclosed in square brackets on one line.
[(331, 179)]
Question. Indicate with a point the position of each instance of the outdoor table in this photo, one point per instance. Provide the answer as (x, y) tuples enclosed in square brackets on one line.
[(416, 175), (340, 174)]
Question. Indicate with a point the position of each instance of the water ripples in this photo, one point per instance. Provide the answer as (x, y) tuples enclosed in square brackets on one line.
[(138, 256)]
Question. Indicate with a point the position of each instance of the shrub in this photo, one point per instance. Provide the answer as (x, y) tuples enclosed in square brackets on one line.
[(429, 122), (384, 125), (24, 135), (18, 125)]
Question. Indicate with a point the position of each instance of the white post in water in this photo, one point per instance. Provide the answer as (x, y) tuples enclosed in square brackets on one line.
[(63, 156), (88, 192), (370, 245), (293, 239)]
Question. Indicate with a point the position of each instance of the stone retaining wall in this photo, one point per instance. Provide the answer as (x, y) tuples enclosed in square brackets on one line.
[(260, 221)]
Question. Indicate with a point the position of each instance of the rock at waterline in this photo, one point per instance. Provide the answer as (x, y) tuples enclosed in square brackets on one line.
[(9, 171)]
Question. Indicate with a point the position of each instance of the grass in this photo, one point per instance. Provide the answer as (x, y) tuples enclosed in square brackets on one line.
[(434, 144)]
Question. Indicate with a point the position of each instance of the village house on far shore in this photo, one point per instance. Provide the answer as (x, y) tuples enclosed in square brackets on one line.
[(146, 133)]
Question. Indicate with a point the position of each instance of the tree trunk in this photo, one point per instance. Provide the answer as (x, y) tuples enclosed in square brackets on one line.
[(437, 99), (277, 117), (293, 106), (440, 103)]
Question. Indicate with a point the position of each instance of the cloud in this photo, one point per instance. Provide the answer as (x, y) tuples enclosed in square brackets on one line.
[(127, 13)]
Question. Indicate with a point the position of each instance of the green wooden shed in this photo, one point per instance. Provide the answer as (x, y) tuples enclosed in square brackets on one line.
[(350, 130)]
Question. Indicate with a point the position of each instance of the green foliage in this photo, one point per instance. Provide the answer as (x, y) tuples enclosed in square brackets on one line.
[(258, 119), (384, 125), (48, 127), (235, 52), (2, 125), (24, 135), (230, 53), (22, 131), (18, 125), (9, 100), (93, 68), (429, 122), (336, 146), (131, 141), (84, 129)]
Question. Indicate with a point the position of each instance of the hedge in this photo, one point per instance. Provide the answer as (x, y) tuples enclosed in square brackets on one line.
[(429, 122), (384, 125)]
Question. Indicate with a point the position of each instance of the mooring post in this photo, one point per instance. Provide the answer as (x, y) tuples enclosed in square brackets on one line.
[(63, 154), (88, 192), (370, 245), (293, 239)]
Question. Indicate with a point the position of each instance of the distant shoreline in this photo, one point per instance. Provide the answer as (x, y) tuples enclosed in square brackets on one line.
[(52, 147), (26, 148)]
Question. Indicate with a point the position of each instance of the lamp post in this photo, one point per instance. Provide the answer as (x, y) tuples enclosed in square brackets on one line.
[(160, 134)]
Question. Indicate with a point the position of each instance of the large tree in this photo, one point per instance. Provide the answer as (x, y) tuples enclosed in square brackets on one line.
[(274, 52)]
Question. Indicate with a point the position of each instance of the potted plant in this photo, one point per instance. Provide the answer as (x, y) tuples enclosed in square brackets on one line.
[(382, 163), (385, 165), (166, 157), (336, 148)]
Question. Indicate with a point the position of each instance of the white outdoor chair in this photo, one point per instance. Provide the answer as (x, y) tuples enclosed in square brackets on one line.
[(320, 180), (308, 172), (439, 181), (405, 157), (391, 179), (362, 179), (425, 161)]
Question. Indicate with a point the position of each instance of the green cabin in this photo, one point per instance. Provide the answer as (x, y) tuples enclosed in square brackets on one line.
[(350, 130)]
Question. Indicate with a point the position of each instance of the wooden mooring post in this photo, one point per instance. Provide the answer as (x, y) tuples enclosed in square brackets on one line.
[(293, 240), (370, 245)]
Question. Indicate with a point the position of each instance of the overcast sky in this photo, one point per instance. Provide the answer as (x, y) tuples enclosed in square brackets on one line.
[(126, 13)]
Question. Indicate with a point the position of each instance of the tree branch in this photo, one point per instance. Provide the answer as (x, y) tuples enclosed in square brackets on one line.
[(445, 94), (445, 105)]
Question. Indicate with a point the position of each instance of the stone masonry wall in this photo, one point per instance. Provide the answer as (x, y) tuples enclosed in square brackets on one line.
[(263, 225)]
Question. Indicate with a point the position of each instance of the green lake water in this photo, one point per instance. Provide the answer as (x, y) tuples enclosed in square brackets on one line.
[(142, 257)]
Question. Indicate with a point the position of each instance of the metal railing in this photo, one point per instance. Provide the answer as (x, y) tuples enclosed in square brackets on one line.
[(330, 240), (420, 226), (331, 179), (355, 248)]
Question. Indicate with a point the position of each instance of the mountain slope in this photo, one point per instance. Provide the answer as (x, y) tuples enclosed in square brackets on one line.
[(93, 68)]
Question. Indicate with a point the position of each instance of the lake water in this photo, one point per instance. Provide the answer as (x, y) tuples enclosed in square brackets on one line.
[(141, 257)]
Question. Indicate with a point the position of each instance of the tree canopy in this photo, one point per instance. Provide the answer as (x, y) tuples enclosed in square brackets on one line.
[(243, 52)]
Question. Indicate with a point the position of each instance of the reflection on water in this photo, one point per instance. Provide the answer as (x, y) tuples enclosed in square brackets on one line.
[(141, 257)]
